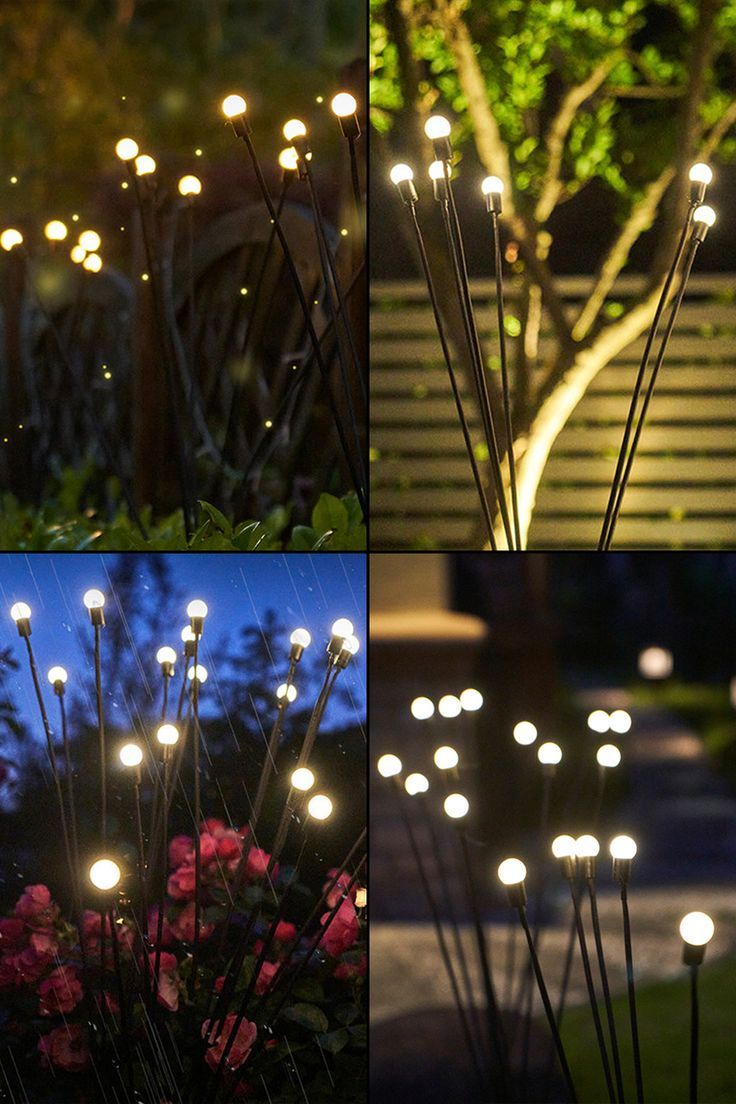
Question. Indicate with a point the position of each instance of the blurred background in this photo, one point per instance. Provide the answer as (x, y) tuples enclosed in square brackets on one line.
[(548, 639)]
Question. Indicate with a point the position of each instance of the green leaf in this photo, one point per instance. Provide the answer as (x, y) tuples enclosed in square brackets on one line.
[(329, 513), (309, 1016), (309, 989), (303, 538), (347, 1013), (334, 1041), (217, 518)]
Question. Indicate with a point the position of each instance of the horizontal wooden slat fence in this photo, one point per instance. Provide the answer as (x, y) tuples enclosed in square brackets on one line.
[(682, 491)]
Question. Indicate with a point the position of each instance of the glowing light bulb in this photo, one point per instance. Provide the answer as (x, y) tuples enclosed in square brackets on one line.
[(126, 149), (599, 721), (131, 755), (319, 807), (456, 805), (512, 872), (445, 757), (343, 105), (697, 929), (144, 164), (286, 691), (342, 627), (416, 784), (188, 635), (90, 240), (400, 173), (563, 847), (587, 847), (20, 611), (708, 216), (351, 644), (655, 663), (294, 128), (492, 184), (197, 608), (78, 253), (289, 159), (388, 766), (233, 105), (56, 230), (167, 735), (549, 754), (302, 779), (700, 173), (300, 637), (190, 185), (608, 755), (57, 674), (10, 238), (622, 847), (437, 126), (525, 732), (439, 170), (200, 673), (92, 262), (166, 655), (94, 599), (449, 706), (422, 709), (104, 874), (471, 700), (620, 721)]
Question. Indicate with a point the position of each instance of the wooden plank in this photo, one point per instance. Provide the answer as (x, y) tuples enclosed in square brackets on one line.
[(576, 440), (573, 286), (662, 470), (682, 347), (560, 502)]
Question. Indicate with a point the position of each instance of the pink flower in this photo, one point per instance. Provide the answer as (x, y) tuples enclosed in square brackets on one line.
[(181, 850), (36, 908), (229, 846), (12, 935), (257, 864), (65, 1047), (30, 965), (213, 825), (245, 1037), (244, 831), (92, 927), (181, 883), (265, 976), (9, 973), (207, 849), (349, 971), (342, 931), (168, 980), (166, 935), (285, 932), (59, 992), (45, 942), (183, 926), (339, 888)]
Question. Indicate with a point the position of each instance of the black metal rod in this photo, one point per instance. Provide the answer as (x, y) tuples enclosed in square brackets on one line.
[(124, 1029), (610, 1018), (76, 877), (694, 1034), (505, 384), (357, 194), (631, 990), (142, 869), (164, 880), (196, 752), (101, 737), (592, 998)]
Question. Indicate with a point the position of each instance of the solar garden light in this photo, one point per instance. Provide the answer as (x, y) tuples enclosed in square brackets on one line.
[(167, 736), (492, 189), (234, 108), (599, 721), (302, 778), (285, 694), (341, 629), (145, 165), (289, 162), (55, 231), (525, 733), (471, 700), (350, 647), (696, 930), (422, 709), (94, 600), (700, 176), (403, 177), (189, 186), (703, 219), (563, 849), (188, 639), (299, 640), (549, 755), (439, 174), (447, 759), (57, 676), (166, 657), (345, 108), (449, 706), (10, 238), (21, 614), (608, 756), (295, 132), (623, 849), (196, 612), (319, 807), (437, 128), (416, 784)]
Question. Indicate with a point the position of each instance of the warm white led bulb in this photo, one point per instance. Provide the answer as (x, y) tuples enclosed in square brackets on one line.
[(167, 735), (190, 185), (449, 706), (422, 709), (56, 230), (525, 732), (563, 847), (351, 644), (492, 185), (166, 655), (416, 784), (289, 159), (399, 173), (104, 874), (20, 611), (622, 847), (697, 929), (197, 608), (294, 128), (388, 766), (599, 721), (144, 164), (587, 847), (608, 755), (90, 240), (456, 805), (620, 721), (286, 690), (700, 173), (512, 872), (300, 637), (126, 149), (439, 170), (92, 262), (319, 807), (233, 105), (549, 753), (655, 663), (342, 627), (437, 126), (78, 253), (10, 238), (200, 673), (446, 757), (302, 779), (344, 105), (94, 599), (131, 755), (188, 635), (57, 674), (707, 215), (471, 700)]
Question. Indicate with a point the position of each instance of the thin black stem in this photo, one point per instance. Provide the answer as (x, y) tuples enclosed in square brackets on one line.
[(694, 1034), (632, 996), (124, 1029), (142, 870), (357, 194), (606, 989), (562, 997), (527, 999), (593, 1000), (101, 737), (197, 818), (164, 882), (453, 379), (505, 385), (72, 804)]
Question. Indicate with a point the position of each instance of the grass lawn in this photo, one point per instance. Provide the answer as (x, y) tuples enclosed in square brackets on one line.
[(664, 1032)]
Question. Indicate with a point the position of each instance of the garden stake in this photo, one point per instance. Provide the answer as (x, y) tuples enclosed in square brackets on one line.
[(590, 882)]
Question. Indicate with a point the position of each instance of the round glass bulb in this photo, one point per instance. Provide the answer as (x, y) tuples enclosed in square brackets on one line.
[(439, 170), (190, 185), (131, 755), (197, 608), (167, 735), (399, 173), (512, 871), (344, 105), (704, 214), (525, 732), (655, 663), (437, 126), (416, 784), (57, 674), (286, 690), (351, 644), (549, 753), (126, 149), (199, 672), (302, 779), (471, 700), (20, 611), (300, 637), (700, 173), (94, 599), (233, 105), (289, 159), (492, 185), (697, 929), (587, 847), (56, 230), (599, 721), (78, 253), (10, 238), (188, 635), (166, 655), (449, 706), (620, 721), (446, 757), (563, 847), (456, 805), (104, 874), (388, 766), (608, 755), (294, 128), (342, 627), (319, 807), (90, 240), (422, 709), (622, 847), (92, 262), (144, 164)]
